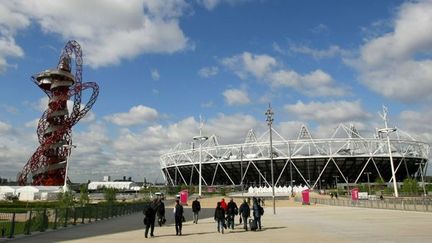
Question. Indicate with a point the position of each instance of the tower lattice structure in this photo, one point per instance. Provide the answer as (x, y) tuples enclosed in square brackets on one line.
[(47, 166)]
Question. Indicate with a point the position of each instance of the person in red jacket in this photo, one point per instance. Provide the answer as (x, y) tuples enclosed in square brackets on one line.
[(224, 205)]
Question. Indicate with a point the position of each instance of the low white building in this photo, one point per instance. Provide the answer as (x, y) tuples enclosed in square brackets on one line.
[(120, 185), (6, 191), (32, 193)]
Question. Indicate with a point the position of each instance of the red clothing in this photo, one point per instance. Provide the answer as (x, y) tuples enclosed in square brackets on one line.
[(224, 205)]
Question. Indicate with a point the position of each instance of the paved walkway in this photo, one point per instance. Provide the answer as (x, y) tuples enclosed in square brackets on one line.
[(290, 224)]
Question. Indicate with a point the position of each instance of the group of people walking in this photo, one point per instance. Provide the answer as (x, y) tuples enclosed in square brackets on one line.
[(224, 215), (157, 208)]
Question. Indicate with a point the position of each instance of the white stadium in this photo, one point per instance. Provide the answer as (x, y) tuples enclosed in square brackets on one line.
[(344, 157)]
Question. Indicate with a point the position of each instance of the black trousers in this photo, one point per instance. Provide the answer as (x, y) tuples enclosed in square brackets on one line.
[(245, 222), (150, 226), (178, 224)]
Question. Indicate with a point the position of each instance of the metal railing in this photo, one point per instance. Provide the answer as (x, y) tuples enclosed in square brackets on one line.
[(25, 221), (405, 204)]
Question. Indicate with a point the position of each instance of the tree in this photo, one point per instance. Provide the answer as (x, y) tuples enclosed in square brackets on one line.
[(410, 186), (110, 195), (66, 199), (84, 195)]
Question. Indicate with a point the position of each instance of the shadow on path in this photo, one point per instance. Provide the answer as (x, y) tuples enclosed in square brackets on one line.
[(125, 223)]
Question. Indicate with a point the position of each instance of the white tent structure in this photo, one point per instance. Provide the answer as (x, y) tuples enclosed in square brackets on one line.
[(120, 185), (6, 191), (32, 193)]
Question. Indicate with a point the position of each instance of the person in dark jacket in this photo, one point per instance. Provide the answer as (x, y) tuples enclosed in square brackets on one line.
[(149, 218), (178, 217), (257, 212), (219, 217), (232, 211), (244, 212), (196, 207), (161, 212)]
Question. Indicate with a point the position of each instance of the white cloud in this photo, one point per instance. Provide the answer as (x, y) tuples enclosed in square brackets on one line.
[(155, 74), (236, 97), (89, 117), (315, 83), (8, 48), (417, 123), (331, 51), (147, 26), (246, 64), (333, 112), (266, 68), (321, 28), (10, 23), (207, 104), (277, 48), (4, 127), (32, 124), (212, 4), (398, 64), (207, 72), (136, 115)]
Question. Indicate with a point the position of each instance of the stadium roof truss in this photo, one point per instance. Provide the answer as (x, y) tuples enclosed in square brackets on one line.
[(346, 154)]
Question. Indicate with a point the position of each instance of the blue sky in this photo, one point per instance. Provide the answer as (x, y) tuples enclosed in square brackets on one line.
[(161, 64)]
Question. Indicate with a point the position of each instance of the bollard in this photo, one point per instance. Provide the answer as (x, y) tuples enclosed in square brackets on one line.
[(55, 218), (90, 214), (82, 214), (44, 220), (28, 224), (96, 213), (3, 231), (75, 216), (66, 217), (12, 228)]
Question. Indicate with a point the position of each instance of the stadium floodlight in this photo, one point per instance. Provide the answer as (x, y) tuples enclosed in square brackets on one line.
[(269, 113), (387, 130), (201, 139)]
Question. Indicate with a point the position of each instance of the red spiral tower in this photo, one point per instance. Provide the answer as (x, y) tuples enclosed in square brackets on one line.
[(47, 166)]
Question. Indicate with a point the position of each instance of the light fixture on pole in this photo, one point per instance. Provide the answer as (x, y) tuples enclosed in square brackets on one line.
[(68, 147), (269, 113), (367, 174), (387, 131), (200, 139)]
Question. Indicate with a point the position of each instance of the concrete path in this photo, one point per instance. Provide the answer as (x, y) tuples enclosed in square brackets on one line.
[(290, 224)]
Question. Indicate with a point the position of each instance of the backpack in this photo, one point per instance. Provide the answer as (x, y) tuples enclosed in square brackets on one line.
[(261, 210)]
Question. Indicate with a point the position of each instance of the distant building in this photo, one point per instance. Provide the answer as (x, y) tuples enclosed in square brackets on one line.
[(6, 191), (30, 193), (107, 178), (120, 185)]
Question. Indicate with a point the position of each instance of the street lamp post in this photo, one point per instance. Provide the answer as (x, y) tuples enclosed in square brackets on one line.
[(387, 131), (68, 147), (200, 138), (269, 113), (241, 169), (422, 178), (367, 174)]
